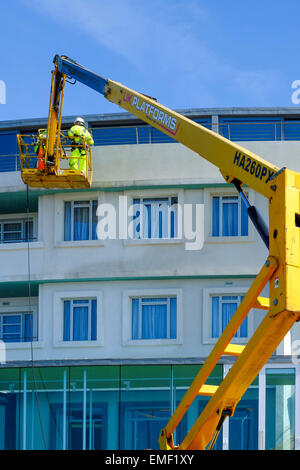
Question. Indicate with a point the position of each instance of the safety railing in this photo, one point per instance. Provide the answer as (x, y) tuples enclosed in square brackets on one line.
[(134, 135), (63, 152), (235, 131)]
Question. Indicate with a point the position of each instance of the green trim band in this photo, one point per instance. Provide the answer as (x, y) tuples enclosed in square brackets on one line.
[(16, 201), (24, 288)]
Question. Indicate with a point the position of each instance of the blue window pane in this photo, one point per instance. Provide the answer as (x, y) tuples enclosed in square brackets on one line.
[(135, 318), (205, 122), (250, 128), (158, 137), (80, 323), (8, 151), (216, 217), (244, 328), (81, 223), (291, 130), (94, 320), (215, 317), (154, 318), (244, 219), (67, 235), (154, 321), (11, 328), (230, 219), (67, 319), (173, 317), (115, 135), (28, 330), (144, 134), (94, 220), (147, 227), (136, 218), (227, 313)]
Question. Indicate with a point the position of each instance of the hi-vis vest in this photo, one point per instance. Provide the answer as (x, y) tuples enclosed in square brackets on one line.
[(77, 133)]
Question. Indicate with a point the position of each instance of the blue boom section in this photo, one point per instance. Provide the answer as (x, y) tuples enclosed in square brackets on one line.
[(70, 68)]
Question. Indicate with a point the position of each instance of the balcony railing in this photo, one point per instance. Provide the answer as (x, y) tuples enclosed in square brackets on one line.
[(128, 135)]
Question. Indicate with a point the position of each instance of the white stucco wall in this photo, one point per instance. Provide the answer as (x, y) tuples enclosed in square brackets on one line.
[(53, 259)]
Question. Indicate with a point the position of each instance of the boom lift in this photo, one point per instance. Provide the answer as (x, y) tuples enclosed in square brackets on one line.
[(281, 269), (55, 148)]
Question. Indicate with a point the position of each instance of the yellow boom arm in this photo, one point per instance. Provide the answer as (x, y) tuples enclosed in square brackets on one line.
[(234, 161)]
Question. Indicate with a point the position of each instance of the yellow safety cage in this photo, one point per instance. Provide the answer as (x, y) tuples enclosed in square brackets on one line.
[(44, 157)]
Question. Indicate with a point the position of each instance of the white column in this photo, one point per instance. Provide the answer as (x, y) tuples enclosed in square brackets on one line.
[(24, 408), (65, 411), (261, 409), (226, 369), (297, 407), (84, 412)]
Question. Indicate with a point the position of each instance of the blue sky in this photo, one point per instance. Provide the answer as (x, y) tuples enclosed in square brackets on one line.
[(186, 53)]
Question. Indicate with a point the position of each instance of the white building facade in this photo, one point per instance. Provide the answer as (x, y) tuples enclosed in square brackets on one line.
[(111, 298)]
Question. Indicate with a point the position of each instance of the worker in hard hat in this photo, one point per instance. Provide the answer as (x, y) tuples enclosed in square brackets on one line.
[(78, 134), (40, 148)]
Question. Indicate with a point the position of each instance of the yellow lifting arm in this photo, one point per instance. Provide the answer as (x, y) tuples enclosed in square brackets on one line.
[(281, 270), (234, 161)]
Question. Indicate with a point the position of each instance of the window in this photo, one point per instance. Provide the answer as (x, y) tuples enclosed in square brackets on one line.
[(14, 231), (16, 327), (142, 424), (155, 218), (94, 425), (80, 220), (136, 134), (251, 128), (281, 399), (154, 318), (229, 216), (80, 320), (9, 158), (222, 309)]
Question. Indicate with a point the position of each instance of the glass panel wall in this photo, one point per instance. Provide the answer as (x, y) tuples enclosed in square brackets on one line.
[(42, 397), (183, 377), (243, 425), (280, 409), (145, 405), (93, 410), (9, 409), (126, 406)]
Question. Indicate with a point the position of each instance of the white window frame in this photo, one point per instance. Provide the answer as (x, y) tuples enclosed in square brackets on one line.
[(20, 323), (128, 295), (156, 200), (156, 194), (19, 309), (89, 205), (59, 219), (72, 306), (208, 293), (262, 404), (58, 321), (208, 211), (19, 218)]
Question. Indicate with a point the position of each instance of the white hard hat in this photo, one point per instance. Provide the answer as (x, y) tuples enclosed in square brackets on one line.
[(80, 120)]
